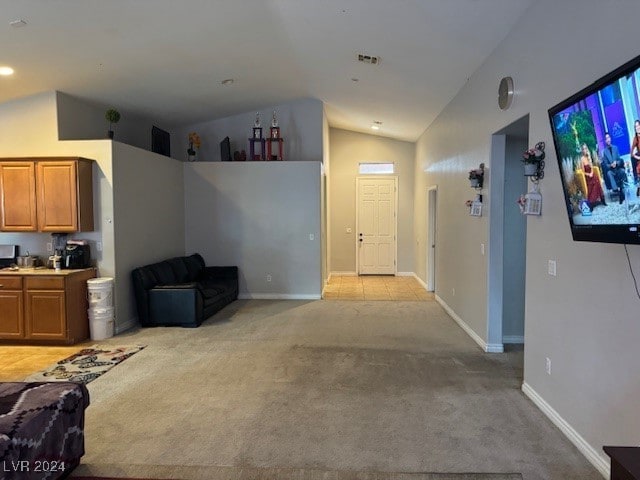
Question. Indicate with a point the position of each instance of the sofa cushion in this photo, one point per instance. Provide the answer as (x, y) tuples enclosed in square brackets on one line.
[(163, 272), (210, 291), (179, 269), (195, 266)]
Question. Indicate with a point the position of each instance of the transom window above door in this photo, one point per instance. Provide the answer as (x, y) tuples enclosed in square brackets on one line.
[(367, 168)]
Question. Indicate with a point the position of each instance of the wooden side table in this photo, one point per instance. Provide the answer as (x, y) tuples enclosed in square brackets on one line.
[(625, 462)]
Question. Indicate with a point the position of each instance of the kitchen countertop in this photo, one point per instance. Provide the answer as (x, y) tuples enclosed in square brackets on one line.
[(40, 271)]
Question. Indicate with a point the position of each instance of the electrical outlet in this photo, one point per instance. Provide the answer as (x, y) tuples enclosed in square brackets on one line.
[(349, 230), (552, 268), (547, 366), (99, 246), (453, 292), (312, 236), (49, 247), (268, 277), (482, 249)]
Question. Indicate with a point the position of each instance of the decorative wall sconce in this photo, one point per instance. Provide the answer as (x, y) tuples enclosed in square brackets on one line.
[(476, 177), (534, 162)]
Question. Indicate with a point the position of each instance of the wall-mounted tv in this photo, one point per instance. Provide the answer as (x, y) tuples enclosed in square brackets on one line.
[(596, 134)]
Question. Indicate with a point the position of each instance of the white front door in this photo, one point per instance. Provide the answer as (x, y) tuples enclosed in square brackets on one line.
[(376, 239)]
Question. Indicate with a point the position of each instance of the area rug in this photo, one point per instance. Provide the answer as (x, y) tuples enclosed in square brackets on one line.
[(85, 365)]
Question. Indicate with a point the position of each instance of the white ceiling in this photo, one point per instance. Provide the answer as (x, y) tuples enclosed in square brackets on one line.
[(165, 59)]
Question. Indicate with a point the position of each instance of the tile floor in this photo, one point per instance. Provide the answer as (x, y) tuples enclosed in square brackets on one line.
[(18, 362), (375, 287)]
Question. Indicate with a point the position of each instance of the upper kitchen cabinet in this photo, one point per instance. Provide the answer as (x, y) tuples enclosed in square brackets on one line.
[(18, 197), (61, 187)]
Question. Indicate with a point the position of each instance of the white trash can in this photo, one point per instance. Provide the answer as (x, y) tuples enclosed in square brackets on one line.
[(100, 292), (101, 323)]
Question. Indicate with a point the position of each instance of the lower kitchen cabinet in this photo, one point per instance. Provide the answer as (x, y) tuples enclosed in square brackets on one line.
[(44, 307)]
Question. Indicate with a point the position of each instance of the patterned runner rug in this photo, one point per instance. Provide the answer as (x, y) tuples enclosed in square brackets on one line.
[(86, 365)]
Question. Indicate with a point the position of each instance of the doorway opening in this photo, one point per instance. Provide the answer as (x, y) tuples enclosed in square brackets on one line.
[(507, 238)]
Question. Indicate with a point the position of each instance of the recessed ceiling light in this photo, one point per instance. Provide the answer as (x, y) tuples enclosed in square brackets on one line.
[(355, 80), (228, 81), (18, 23), (6, 71), (376, 125)]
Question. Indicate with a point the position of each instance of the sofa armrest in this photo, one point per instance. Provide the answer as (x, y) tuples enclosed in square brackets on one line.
[(210, 273), (175, 305)]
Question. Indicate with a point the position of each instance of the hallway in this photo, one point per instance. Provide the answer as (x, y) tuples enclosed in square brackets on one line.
[(375, 287)]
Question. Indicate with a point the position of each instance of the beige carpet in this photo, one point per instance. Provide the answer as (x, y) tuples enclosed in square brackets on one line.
[(324, 385), (247, 473)]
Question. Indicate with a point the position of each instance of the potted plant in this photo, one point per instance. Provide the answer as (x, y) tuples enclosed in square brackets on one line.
[(532, 159), (194, 143), (112, 116)]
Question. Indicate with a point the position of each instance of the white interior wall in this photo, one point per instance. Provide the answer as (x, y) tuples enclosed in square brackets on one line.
[(347, 150), (149, 201), (80, 119), (300, 124), (584, 320), (258, 216)]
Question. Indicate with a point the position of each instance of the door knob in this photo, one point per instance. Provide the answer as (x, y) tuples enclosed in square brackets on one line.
[(360, 240)]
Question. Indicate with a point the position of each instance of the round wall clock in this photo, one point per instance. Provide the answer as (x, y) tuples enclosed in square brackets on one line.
[(505, 93)]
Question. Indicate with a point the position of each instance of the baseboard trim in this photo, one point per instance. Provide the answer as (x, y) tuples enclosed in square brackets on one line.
[(345, 274), (486, 347), (405, 274), (513, 339), (592, 455), (421, 282), (278, 296)]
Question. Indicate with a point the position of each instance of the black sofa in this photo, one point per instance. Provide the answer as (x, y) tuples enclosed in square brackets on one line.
[(182, 291)]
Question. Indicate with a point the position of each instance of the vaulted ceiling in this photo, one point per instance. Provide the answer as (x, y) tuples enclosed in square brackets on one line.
[(166, 59)]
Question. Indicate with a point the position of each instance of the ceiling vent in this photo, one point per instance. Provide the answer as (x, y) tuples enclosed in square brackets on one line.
[(368, 59)]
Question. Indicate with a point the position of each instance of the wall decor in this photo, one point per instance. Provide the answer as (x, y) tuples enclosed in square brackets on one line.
[(533, 160), (476, 177)]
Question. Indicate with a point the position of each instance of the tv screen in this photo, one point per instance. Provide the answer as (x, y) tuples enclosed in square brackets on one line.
[(596, 135), (160, 141)]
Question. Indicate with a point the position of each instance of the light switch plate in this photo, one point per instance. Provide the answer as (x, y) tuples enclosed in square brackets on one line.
[(552, 268)]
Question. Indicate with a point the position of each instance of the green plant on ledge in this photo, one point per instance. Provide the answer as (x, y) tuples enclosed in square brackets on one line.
[(112, 116)]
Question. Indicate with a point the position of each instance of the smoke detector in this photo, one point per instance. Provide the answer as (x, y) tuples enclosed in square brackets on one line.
[(370, 59)]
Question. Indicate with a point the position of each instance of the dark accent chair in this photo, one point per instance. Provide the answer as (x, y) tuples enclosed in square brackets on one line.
[(182, 291)]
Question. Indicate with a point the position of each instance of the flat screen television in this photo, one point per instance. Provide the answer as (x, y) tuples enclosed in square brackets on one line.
[(594, 134), (160, 141)]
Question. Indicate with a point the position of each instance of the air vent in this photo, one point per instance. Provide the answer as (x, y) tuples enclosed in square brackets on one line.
[(368, 59)]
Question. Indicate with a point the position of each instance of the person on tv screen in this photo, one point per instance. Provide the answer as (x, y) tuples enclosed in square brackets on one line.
[(595, 193), (635, 150), (613, 166)]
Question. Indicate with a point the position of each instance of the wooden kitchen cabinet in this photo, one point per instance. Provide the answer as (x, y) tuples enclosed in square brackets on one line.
[(48, 307), (11, 310), (18, 197), (46, 195)]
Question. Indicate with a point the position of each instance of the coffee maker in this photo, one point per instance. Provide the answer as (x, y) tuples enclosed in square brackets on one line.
[(76, 254)]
